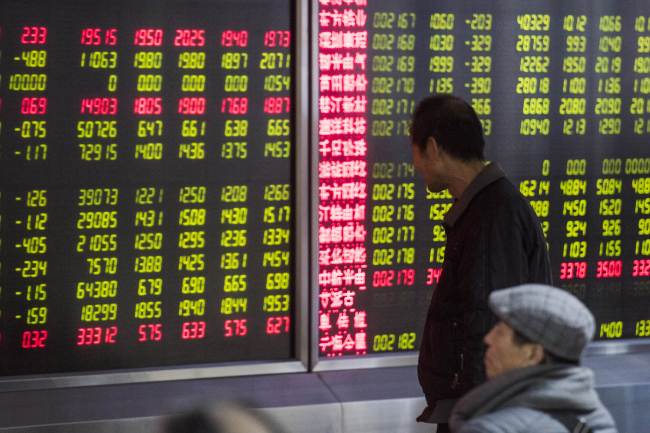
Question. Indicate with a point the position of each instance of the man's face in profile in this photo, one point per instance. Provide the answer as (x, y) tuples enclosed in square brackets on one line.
[(426, 163), (504, 353)]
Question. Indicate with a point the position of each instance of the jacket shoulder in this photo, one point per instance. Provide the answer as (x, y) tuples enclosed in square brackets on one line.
[(500, 198), (513, 420)]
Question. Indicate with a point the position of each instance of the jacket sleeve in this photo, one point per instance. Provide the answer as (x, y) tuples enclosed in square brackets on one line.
[(499, 260)]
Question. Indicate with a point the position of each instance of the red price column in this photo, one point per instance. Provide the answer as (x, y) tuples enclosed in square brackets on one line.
[(342, 258)]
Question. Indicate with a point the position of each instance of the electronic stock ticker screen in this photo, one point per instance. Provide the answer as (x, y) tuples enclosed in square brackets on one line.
[(146, 198), (563, 92)]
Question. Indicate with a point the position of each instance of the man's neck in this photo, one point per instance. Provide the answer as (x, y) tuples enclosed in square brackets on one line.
[(461, 174)]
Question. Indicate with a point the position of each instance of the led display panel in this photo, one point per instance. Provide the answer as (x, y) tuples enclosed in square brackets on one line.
[(146, 181), (563, 92)]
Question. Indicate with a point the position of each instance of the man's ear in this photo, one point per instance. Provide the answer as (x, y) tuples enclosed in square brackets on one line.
[(432, 149), (536, 353)]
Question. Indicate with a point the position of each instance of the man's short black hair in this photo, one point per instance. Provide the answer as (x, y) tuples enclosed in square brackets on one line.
[(454, 125)]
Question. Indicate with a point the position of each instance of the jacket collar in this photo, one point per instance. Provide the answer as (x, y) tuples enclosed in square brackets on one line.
[(490, 173), (542, 387)]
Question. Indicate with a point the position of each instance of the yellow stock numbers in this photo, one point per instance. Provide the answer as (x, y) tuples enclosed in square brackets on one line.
[(276, 303), (234, 216), (441, 42), (235, 283), (34, 244), (191, 240), (277, 192), (97, 289), (275, 236), (234, 150), (532, 85), (441, 64), (277, 281), (147, 264), (34, 58), (388, 20), (149, 83), (441, 21), (534, 22), (386, 342), (106, 242), (233, 260), (193, 83), (148, 195), (99, 59), (234, 238), (98, 312), (98, 196), (98, 151), (33, 129), (192, 194), (150, 128), (191, 60), (97, 129), (148, 241), (234, 193), (148, 310), (537, 43), (276, 128), (275, 61), (237, 128), (192, 217), (193, 284), (28, 82), (642, 328), (234, 60), (150, 286), (236, 83), (148, 60), (36, 316), (92, 220), (191, 307)]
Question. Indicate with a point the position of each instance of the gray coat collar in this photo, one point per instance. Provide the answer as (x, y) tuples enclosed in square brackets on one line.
[(541, 387), (490, 173)]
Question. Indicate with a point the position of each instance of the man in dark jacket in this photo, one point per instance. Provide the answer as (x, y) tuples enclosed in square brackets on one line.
[(494, 241), (532, 362)]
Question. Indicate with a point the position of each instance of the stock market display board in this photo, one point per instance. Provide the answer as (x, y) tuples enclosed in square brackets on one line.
[(563, 92), (146, 183), (147, 175)]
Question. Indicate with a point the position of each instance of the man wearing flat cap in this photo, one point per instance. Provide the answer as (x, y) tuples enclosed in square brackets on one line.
[(536, 383)]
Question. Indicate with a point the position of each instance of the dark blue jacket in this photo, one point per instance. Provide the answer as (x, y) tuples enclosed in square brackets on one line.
[(494, 241)]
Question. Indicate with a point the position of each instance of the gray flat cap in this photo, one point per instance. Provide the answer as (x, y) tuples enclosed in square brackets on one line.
[(546, 315)]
